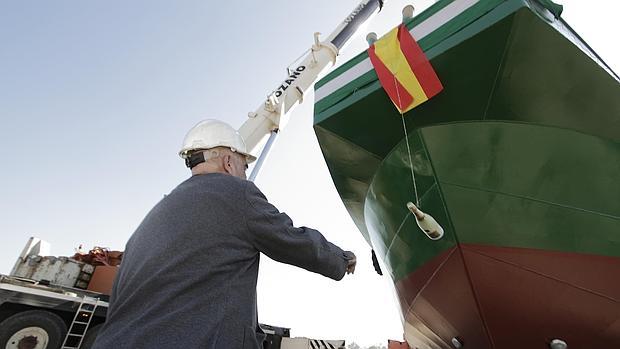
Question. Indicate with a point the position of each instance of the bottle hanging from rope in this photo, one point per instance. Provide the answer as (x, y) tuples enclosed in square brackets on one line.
[(426, 222)]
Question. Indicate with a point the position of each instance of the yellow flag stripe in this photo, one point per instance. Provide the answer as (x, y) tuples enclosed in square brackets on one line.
[(388, 51)]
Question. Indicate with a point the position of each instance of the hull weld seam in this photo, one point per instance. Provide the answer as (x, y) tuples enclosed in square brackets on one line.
[(602, 214), (544, 275)]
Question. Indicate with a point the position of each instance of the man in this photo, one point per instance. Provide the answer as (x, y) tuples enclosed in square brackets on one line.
[(188, 276)]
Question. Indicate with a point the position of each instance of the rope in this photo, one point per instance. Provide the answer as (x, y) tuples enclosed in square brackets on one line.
[(402, 116)]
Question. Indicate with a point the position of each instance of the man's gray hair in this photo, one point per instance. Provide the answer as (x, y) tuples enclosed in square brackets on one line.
[(216, 152)]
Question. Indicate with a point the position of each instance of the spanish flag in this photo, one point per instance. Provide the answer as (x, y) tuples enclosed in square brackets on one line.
[(403, 70)]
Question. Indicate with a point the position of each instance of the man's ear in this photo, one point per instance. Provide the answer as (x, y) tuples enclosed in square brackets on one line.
[(226, 159)]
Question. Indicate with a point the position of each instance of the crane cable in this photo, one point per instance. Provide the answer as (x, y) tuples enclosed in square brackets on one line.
[(402, 116)]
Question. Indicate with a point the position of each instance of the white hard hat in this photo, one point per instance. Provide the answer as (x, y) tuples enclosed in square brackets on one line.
[(212, 133)]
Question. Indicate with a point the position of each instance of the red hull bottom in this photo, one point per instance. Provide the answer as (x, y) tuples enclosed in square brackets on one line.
[(504, 298)]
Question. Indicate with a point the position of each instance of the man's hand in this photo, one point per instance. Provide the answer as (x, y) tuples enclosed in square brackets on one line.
[(351, 261)]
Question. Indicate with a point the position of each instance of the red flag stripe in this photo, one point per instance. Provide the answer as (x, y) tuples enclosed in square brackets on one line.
[(389, 82), (418, 62)]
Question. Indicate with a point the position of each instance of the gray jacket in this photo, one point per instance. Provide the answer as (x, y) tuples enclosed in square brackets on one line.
[(188, 276)]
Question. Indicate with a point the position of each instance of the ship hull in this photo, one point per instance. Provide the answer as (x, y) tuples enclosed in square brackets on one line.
[(498, 297), (518, 159), (530, 251)]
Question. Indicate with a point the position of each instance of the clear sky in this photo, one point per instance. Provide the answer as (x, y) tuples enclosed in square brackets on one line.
[(96, 96)]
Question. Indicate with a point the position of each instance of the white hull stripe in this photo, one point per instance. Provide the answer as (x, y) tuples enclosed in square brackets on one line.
[(421, 30)]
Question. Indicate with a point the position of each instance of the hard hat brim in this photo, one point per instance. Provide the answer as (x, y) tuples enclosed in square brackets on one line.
[(250, 158)]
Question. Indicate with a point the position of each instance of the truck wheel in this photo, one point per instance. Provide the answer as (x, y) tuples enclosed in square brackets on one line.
[(32, 329), (91, 335)]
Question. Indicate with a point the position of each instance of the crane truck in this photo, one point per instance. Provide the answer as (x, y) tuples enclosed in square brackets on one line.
[(50, 302)]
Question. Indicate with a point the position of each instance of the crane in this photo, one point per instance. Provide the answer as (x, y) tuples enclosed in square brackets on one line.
[(271, 116)]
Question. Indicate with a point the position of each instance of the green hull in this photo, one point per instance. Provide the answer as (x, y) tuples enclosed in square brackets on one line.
[(521, 150)]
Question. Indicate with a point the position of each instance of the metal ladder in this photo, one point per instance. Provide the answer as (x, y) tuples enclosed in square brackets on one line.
[(81, 321)]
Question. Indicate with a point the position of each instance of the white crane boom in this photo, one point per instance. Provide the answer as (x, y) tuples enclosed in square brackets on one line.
[(270, 117)]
